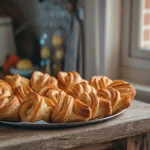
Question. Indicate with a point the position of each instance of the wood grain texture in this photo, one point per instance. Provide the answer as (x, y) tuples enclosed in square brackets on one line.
[(106, 146), (134, 121), (137, 143)]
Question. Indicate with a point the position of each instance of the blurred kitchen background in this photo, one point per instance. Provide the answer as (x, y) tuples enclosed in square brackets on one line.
[(93, 37), (46, 35)]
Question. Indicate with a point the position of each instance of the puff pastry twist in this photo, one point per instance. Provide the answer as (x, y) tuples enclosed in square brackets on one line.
[(34, 108), (40, 79), (68, 80), (118, 103), (16, 80), (80, 88), (99, 82), (124, 88), (21, 92), (70, 99), (9, 108), (5, 89), (54, 95), (69, 109), (46, 89), (100, 107)]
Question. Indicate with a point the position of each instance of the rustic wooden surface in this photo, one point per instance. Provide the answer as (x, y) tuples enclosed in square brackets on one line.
[(134, 121), (137, 143), (106, 146)]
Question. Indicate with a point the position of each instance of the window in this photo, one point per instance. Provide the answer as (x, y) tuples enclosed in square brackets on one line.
[(135, 47), (140, 29)]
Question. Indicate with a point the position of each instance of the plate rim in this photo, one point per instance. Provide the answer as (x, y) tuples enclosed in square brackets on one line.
[(59, 125)]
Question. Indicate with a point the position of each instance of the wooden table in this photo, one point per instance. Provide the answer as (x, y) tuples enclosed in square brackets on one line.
[(127, 131)]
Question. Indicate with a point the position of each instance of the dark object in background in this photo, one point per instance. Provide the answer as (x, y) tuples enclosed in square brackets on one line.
[(8, 9), (26, 42), (41, 1), (28, 45)]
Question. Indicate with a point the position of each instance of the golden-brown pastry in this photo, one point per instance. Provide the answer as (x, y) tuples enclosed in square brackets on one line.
[(80, 88), (21, 92), (118, 103), (44, 91), (69, 109), (100, 107), (49, 103), (100, 82), (54, 95), (124, 88), (67, 80), (124, 103), (5, 89), (110, 94), (9, 108), (40, 79), (34, 109), (16, 80)]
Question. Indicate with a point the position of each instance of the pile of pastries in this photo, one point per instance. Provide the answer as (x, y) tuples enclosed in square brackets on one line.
[(69, 98)]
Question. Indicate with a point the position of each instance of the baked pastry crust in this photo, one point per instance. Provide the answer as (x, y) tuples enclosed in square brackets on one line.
[(69, 109), (124, 88), (99, 82), (34, 109), (80, 88), (54, 95), (67, 80), (44, 91), (5, 89), (110, 94), (9, 108), (40, 79), (21, 92), (70, 99), (118, 103), (16, 80), (100, 107), (123, 103)]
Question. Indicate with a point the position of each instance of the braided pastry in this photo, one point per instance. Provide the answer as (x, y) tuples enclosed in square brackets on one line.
[(124, 103), (21, 92), (124, 88), (118, 103), (80, 88), (100, 82), (16, 80), (70, 99), (54, 95), (68, 80), (46, 89), (9, 108), (70, 110), (5, 89), (49, 103), (100, 107), (34, 108), (39, 80)]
